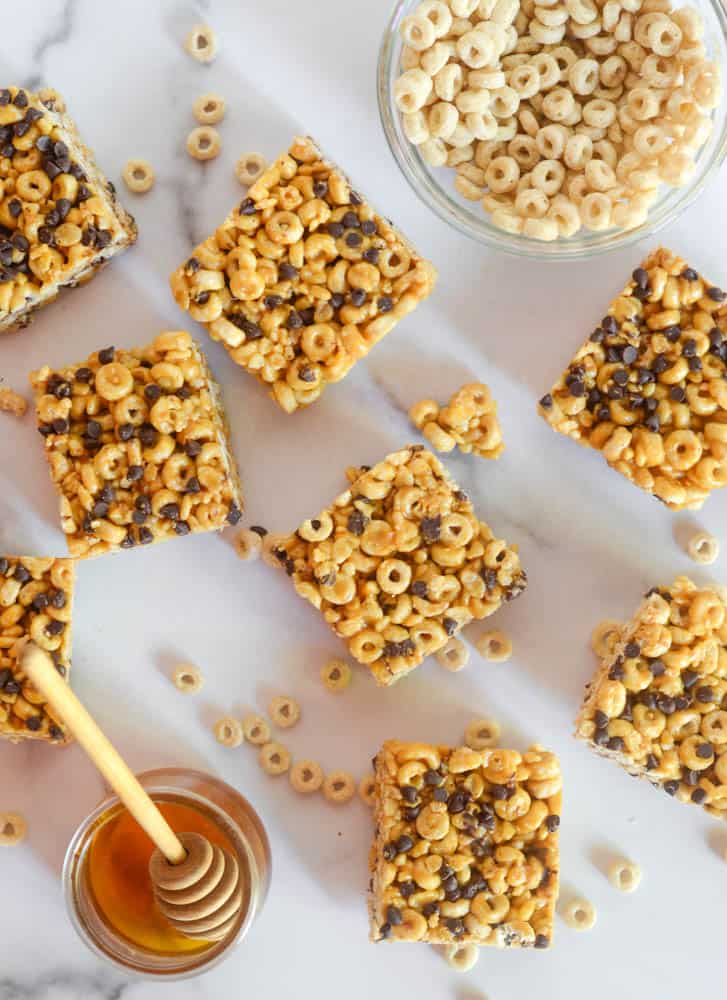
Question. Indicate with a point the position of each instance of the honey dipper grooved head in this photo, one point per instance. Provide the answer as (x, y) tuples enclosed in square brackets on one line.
[(201, 897)]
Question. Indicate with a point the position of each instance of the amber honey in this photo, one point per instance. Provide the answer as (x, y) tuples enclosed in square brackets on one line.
[(118, 874)]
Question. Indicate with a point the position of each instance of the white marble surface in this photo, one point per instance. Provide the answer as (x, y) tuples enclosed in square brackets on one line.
[(591, 543)]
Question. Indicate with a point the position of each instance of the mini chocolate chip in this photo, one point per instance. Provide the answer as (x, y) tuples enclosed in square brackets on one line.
[(672, 333), (134, 473), (335, 229), (127, 542), (404, 844), (393, 915), (234, 514), (632, 650), (385, 930), (641, 277), (33, 723), (440, 795), (698, 795), (170, 510), (320, 188), (432, 778), (247, 207), (350, 220), (704, 750), (430, 528), (58, 599), (704, 694), (577, 388), (609, 324), (689, 348), (552, 822), (385, 304), (354, 239), (600, 718), (716, 294), (419, 588), (193, 485), (547, 401), (148, 435), (21, 574), (411, 813), (541, 941), (93, 429), (337, 300), (126, 432), (389, 852), (358, 296), (357, 522), (449, 625), (55, 732), (629, 355), (145, 536), (371, 255), (408, 889), (287, 272), (55, 627), (677, 393), (60, 426), (689, 274), (39, 603), (99, 509), (616, 743), (657, 667)]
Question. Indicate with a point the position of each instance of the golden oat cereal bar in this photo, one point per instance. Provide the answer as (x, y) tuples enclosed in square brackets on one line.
[(36, 603), (648, 389), (466, 846), (138, 447), (399, 562), (658, 706), (302, 278), (468, 422), (60, 220)]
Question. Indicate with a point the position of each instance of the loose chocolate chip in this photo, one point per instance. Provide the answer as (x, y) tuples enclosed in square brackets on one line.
[(457, 802), (21, 99), (632, 650), (552, 822), (12, 687), (609, 324), (547, 401), (695, 364), (689, 348), (20, 243), (358, 296), (202, 299), (337, 300), (355, 198), (716, 294), (677, 393), (411, 813), (689, 678), (455, 926), (60, 426), (409, 794), (689, 777), (93, 429), (385, 304), (393, 916), (259, 530), (576, 388), (99, 509), (143, 503), (430, 528), (419, 588), (234, 514), (715, 336), (15, 207), (357, 522), (134, 473), (652, 423), (138, 516), (272, 301), (103, 238), (5, 97), (107, 355), (651, 762), (704, 750)]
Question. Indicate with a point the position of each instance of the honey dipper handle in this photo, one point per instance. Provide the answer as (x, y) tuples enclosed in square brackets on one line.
[(38, 666)]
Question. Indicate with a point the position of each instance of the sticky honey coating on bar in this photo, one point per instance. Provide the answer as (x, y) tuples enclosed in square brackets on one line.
[(659, 705), (399, 562), (302, 279), (648, 389), (59, 217), (36, 603), (138, 446), (466, 846)]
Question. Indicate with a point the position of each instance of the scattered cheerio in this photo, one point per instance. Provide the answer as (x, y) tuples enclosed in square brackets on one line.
[(12, 402), (13, 829), (228, 732), (494, 646), (624, 875), (201, 43), (248, 544), (482, 733), (453, 655), (284, 711), (579, 914), (274, 759), (461, 957), (187, 679), (249, 167), (209, 109), (204, 143), (138, 176), (336, 675), (703, 548), (256, 730), (605, 637), (306, 776), (339, 787)]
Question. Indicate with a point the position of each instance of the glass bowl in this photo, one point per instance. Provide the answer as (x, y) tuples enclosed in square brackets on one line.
[(435, 185)]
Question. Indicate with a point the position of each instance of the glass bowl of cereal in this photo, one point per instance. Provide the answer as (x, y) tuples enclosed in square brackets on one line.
[(555, 129)]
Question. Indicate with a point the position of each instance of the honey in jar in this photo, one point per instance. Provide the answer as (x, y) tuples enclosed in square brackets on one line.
[(118, 874)]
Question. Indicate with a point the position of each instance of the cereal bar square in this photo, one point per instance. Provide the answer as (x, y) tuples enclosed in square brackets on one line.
[(59, 217), (399, 562), (466, 847), (302, 279), (657, 705), (137, 443), (648, 389), (36, 603)]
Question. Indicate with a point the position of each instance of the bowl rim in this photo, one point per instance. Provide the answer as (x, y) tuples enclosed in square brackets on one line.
[(432, 194)]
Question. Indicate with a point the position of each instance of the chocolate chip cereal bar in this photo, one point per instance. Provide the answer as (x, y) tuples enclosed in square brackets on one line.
[(648, 389), (466, 847), (59, 217), (302, 278), (36, 602), (399, 562), (138, 446), (658, 706)]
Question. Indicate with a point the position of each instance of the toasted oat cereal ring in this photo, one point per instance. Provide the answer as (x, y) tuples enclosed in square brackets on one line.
[(284, 711), (336, 675), (624, 875), (579, 914), (228, 732), (605, 637), (138, 176), (306, 776), (453, 656), (339, 787), (249, 167), (201, 43), (256, 730), (494, 646), (271, 546), (461, 957), (366, 789), (703, 548), (209, 109), (248, 545), (13, 829), (274, 759), (482, 733), (204, 143), (187, 679)]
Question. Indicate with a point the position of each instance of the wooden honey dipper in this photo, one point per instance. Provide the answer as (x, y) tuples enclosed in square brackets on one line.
[(197, 885)]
